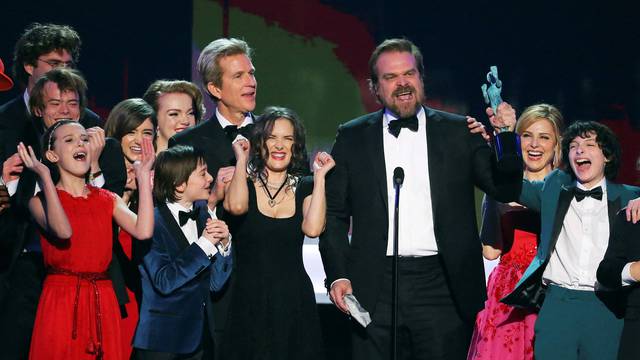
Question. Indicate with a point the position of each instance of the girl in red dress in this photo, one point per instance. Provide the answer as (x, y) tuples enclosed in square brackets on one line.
[(78, 315)]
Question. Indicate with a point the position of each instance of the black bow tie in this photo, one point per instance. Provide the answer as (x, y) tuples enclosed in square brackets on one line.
[(184, 216), (594, 193), (233, 131), (410, 123)]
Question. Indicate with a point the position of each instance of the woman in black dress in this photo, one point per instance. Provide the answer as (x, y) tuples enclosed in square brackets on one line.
[(273, 313)]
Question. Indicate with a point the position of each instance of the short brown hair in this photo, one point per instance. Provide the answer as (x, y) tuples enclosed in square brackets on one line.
[(161, 87), (393, 45), (126, 116), (173, 168), (67, 80)]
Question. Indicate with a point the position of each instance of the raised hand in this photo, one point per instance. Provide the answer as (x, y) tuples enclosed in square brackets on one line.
[(504, 119), (323, 163), (633, 210), (224, 176), (476, 127), (241, 150), (30, 160), (216, 231), (143, 166), (95, 145), (12, 168)]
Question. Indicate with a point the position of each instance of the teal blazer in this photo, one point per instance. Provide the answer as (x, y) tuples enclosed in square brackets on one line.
[(551, 199)]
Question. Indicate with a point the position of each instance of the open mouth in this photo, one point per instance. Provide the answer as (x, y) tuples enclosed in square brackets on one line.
[(582, 164), (136, 149), (80, 156), (534, 155), (405, 95), (278, 155)]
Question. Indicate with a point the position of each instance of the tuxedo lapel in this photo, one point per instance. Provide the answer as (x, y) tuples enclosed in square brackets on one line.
[(203, 216), (564, 201), (434, 149), (216, 139), (173, 227), (614, 204), (375, 148)]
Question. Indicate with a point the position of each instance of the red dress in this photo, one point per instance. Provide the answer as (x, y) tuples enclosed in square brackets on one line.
[(501, 331), (78, 315)]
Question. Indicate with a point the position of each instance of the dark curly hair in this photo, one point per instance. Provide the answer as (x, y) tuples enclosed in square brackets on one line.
[(606, 139), (299, 165), (39, 39)]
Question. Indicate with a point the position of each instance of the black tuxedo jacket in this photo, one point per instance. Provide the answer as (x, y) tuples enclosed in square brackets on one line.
[(624, 247), (209, 137), (357, 188)]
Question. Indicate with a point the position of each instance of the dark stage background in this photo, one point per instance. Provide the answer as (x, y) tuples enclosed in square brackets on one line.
[(311, 55)]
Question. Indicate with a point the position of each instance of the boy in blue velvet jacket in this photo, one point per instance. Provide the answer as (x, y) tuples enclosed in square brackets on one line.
[(189, 258)]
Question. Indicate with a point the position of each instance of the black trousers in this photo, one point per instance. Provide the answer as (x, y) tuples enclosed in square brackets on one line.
[(629, 344), (429, 325), (19, 306)]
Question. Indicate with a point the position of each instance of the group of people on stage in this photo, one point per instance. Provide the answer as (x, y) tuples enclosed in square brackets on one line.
[(161, 235)]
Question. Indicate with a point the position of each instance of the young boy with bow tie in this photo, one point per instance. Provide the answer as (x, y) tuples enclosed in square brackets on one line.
[(579, 318), (189, 258)]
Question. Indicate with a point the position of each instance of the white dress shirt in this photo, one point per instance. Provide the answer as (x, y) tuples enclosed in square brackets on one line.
[(190, 231), (581, 244), (224, 122), (416, 236)]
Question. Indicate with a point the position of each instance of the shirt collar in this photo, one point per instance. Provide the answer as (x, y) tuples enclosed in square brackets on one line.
[(390, 116), (225, 122), (175, 208), (602, 183)]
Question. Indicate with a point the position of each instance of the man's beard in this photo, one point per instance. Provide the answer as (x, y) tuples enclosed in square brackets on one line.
[(405, 109)]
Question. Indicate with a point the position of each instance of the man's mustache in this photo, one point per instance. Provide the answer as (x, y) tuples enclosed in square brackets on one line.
[(404, 89)]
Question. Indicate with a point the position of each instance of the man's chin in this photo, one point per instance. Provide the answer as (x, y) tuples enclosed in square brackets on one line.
[(405, 111)]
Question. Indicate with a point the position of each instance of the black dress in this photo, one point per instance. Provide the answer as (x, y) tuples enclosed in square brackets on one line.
[(273, 312)]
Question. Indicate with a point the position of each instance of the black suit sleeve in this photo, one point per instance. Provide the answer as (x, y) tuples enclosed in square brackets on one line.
[(113, 167), (618, 252), (499, 172), (334, 242), (90, 119)]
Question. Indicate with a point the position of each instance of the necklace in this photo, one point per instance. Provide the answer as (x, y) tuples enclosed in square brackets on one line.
[(272, 198)]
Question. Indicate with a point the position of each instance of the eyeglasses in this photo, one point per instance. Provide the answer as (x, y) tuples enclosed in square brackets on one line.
[(57, 63)]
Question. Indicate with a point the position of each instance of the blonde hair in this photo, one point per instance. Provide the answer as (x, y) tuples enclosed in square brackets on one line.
[(550, 113)]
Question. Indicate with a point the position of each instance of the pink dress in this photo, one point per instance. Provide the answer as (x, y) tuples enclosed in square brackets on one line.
[(501, 331)]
